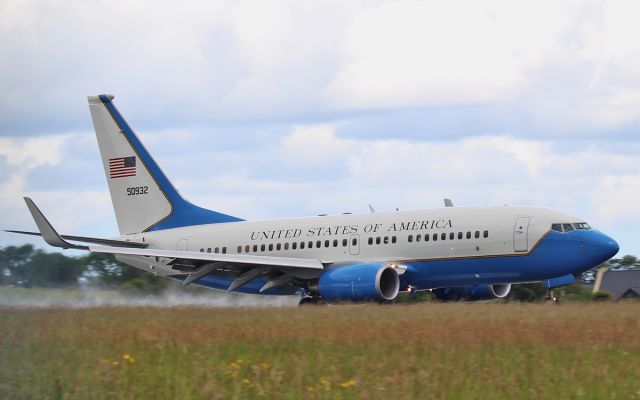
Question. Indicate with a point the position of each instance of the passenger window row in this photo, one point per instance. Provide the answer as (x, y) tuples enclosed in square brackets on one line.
[(382, 240), (286, 246), (443, 236)]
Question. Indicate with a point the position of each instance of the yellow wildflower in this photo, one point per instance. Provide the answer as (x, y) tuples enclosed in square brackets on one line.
[(116, 363), (348, 384), (264, 365)]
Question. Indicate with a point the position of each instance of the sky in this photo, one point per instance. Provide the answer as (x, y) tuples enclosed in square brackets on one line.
[(272, 109)]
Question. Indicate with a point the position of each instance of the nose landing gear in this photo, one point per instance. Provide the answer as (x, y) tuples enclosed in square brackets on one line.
[(550, 297)]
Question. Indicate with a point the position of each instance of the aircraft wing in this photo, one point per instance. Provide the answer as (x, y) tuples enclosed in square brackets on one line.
[(198, 257), (280, 271)]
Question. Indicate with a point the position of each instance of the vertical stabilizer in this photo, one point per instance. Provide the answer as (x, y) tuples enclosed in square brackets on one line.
[(142, 196)]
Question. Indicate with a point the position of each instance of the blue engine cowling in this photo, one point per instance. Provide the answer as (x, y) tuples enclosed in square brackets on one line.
[(473, 292), (359, 282)]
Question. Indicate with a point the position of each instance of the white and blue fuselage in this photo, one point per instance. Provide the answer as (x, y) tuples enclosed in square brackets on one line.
[(468, 252)]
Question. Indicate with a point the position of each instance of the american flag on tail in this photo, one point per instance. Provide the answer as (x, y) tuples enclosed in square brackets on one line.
[(121, 167)]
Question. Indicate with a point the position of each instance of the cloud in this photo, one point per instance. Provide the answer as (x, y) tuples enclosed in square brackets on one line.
[(417, 53)]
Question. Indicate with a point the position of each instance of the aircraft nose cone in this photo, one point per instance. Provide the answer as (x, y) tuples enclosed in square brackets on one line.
[(605, 247), (611, 247)]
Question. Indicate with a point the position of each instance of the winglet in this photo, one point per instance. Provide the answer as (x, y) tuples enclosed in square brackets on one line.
[(49, 234)]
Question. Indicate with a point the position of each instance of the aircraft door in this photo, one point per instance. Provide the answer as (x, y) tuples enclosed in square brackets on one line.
[(354, 245), (521, 234), (183, 244)]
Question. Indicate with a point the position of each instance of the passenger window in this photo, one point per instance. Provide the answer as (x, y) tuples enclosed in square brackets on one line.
[(378, 240), (239, 249), (459, 235), (278, 246), (224, 250), (294, 245), (477, 234), (370, 241), (318, 244), (286, 246), (209, 250), (326, 243), (202, 250), (393, 239), (262, 247), (216, 250), (310, 245), (270, 246), (452, 236), (426, 237), (335, 242), (301, 245), (345, 242), (435, 237), (247, 248), (386, 240), (255, 248), (410, 238), (418, 238), (567, 227), (443, 236), (354, 241), (485, 234), (468, 235)]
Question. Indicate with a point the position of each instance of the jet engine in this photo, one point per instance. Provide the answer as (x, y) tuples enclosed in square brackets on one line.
[(359, 282), (473, 292)]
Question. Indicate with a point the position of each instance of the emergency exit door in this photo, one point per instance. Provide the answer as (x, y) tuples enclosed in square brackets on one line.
[(521, 234)]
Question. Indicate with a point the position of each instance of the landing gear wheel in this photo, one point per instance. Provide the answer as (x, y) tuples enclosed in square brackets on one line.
[(305, 301)]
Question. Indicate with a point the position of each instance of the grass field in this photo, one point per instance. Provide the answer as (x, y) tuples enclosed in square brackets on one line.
[(466, 351)]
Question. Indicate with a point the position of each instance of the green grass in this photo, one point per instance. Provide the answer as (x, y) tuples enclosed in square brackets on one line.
[(466, 351)]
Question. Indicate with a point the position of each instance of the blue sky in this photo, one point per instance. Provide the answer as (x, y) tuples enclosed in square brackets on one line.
[(268, 109)]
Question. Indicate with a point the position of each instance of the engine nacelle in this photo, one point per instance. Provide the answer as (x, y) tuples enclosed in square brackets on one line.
[(359, 282), (473, 292)]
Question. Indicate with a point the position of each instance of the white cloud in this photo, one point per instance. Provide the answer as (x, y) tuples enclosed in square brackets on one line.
[(314, 146), (410, 53)]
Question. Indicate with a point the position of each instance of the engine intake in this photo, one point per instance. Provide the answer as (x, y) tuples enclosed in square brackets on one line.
[(359, 282)]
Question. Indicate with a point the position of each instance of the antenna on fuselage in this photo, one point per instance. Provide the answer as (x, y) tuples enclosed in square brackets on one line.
[(448, 203), (371, 209)]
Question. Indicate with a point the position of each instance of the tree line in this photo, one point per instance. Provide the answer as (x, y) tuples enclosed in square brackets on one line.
[(26, 266)]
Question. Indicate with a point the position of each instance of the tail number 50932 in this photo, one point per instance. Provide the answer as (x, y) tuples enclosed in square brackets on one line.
[(138, 190)]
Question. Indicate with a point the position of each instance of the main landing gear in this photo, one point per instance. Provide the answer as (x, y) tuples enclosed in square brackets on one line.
[(308, 300)]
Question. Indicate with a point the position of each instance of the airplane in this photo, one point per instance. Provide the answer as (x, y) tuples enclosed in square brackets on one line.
[(457, 253)]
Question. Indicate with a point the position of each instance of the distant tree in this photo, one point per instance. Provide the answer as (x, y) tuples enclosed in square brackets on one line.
[(601, 296), (527, 292), (12, 264), (52, 270)]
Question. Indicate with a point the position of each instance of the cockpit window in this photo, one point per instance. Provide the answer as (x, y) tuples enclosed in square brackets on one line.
[(581, 225), (567, 227)]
